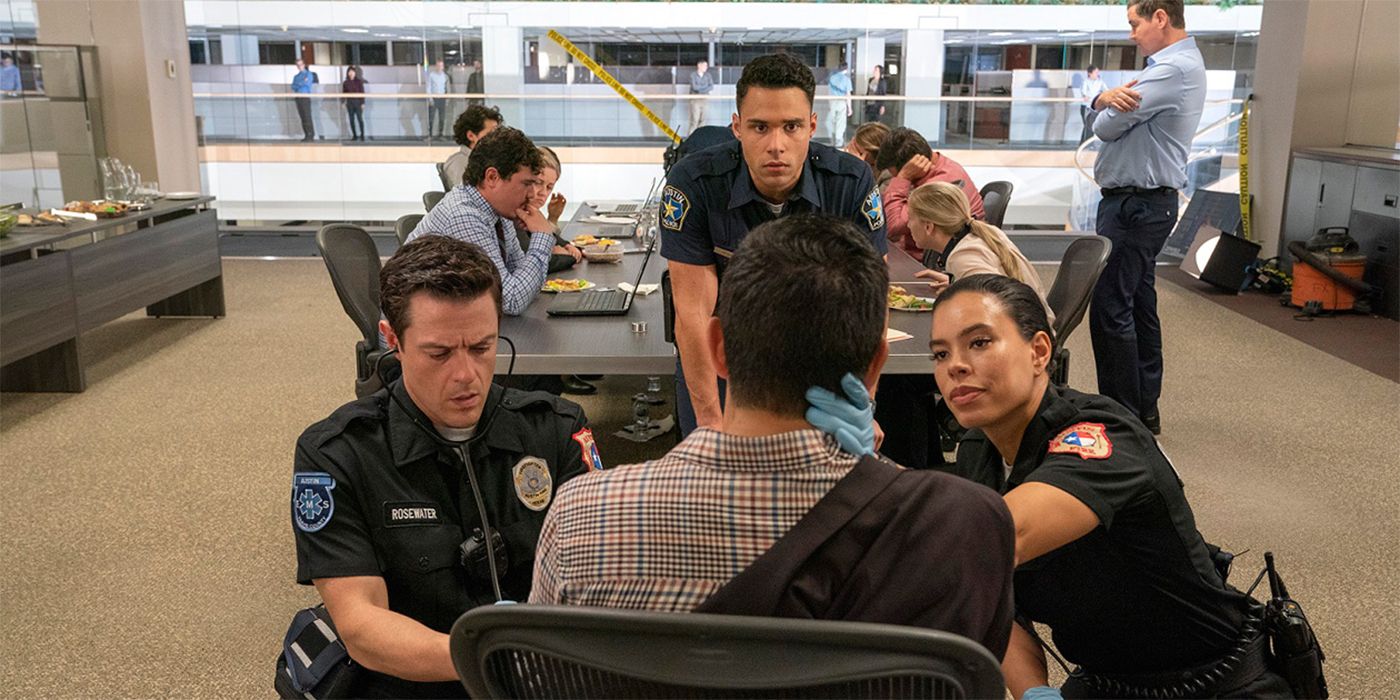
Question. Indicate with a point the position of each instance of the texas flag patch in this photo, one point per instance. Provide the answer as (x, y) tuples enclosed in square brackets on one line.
[(591, 458), (1088, 440)]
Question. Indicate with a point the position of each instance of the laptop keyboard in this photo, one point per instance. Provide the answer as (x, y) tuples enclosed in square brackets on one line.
[(601, 301), (626, 208)]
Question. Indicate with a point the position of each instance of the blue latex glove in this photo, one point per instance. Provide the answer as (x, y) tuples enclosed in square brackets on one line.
[(851, 420), (1042, 692)]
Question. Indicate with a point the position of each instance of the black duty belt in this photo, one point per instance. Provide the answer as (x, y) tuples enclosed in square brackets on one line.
[(1107, 191), (1246, 660)]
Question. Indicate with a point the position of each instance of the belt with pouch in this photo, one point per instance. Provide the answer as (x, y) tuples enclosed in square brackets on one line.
[(1247, 659)]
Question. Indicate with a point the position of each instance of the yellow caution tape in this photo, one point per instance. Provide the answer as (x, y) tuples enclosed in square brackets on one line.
[(604, 76), (1244, 171)]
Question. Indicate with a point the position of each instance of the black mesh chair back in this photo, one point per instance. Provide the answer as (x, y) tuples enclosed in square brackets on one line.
[(353, 263), (430, 200), (995, 196), (532, 651), (442, 175), (1069, 296), (405, 226)]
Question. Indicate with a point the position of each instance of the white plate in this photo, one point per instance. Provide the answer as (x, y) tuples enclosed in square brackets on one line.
[(547, 290), (183, 195), (927, 299)]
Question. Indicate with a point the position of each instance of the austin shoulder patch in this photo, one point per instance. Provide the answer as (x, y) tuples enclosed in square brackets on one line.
[(589, 448), (874, 209), (674, 207), (533, 484), (312, 501), (1088, 440)]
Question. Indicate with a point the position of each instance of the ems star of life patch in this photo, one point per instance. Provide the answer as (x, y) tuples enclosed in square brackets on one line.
[(1088, 440), (312, 502), (674, 206), (874, 209)]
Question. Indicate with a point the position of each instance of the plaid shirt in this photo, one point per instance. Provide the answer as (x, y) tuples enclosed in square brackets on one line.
[(665, 535), (465, 215)]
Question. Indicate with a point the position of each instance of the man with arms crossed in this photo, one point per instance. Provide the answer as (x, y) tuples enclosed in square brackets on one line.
[(713, 198), (1146, 127), (764, 507)]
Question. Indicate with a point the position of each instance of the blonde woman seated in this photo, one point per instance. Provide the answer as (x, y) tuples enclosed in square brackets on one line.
[(940, 220)]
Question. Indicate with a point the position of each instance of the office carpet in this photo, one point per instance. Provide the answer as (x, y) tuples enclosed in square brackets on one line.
[(147, 550), (1369, 342)]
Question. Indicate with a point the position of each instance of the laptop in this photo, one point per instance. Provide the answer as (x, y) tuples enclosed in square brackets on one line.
[(596, 302)]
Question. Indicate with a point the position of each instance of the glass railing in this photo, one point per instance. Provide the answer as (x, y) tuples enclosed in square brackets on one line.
[(966, 122)]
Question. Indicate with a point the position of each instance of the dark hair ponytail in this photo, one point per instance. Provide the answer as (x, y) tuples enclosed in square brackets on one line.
[(1017, 299)]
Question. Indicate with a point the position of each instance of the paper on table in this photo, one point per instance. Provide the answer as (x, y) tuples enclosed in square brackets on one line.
[(893, 334), (644, 289), (610, 220)]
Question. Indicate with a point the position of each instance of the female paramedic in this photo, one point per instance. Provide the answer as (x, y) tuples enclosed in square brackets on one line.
[(1107, 551)]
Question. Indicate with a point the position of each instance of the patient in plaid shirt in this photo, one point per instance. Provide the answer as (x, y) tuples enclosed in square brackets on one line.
[(802, 304)]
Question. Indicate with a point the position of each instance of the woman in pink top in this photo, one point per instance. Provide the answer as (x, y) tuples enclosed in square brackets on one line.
[(907, 155)]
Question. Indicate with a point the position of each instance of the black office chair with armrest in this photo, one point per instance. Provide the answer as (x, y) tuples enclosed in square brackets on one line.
[(442, 175), (534, 651), (405, 226), (995, 196), (1069, 296), (353, 262), (430, 200)]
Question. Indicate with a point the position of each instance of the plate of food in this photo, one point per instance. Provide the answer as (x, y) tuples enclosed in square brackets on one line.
[(562, 285), (603, 253), (44, 219), (901, 300), (590, 239), (102, 209)]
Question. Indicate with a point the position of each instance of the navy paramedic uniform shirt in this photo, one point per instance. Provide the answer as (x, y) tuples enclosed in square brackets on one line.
[(710, 201), (375, 496), (1139, 594)]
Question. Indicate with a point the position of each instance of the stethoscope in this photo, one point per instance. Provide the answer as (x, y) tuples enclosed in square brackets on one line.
[(461, 448)]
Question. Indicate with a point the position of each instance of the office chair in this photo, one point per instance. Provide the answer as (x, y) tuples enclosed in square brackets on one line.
[(353, 263), (430, 200), (1069, 296), (442, 175), (995, 196), (534, 651), (405, 226)]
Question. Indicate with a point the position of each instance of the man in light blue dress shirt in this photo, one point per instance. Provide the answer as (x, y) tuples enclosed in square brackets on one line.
[(489, 206), (437, 106), (10, 81), (839, 110), (1146, 127)]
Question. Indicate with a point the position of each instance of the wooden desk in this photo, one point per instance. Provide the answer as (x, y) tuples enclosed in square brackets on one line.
[(58, 281)]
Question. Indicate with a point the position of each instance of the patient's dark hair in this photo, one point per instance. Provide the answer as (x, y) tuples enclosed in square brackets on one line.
[(802, 304), (1017, 299), (775, 71), (901, 145), (443, 267)]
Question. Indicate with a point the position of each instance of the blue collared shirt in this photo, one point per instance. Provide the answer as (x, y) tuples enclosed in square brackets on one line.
[(1148, 147), (465, 215), (437, 83), (840, 83), (302, 81), (9, 79)]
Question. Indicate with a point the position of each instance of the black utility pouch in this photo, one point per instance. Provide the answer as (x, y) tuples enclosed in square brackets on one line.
[(314, 662)]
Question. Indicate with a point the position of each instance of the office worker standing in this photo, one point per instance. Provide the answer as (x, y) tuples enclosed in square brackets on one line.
[(393, 494), (302, 84), (714, 197), (1146, 126)]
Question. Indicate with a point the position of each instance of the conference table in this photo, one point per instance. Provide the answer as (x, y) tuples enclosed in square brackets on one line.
[(616, 345)]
